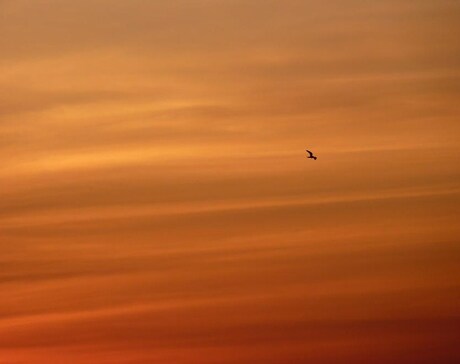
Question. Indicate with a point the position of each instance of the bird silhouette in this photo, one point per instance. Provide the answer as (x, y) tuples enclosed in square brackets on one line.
[(311, 155)]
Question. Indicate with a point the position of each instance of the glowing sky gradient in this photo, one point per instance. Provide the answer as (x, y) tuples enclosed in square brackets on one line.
[(156, 205)]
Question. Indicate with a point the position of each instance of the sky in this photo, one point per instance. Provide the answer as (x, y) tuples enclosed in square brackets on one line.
[(157, 206)]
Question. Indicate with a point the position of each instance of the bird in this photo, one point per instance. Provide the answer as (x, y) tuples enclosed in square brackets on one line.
[(311, 155)]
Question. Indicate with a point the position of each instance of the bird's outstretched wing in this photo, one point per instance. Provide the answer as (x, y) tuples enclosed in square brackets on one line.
[(311, 154)]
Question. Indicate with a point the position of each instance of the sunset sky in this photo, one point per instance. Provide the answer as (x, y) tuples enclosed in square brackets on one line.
[(157, 206)]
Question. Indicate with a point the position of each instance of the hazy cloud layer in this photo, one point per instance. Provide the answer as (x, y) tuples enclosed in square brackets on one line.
[(155, 200)]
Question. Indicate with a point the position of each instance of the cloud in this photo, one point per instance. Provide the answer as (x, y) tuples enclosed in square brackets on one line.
[(156, 204)]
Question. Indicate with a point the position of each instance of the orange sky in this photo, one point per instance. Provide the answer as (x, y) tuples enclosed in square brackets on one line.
[(156, 205)]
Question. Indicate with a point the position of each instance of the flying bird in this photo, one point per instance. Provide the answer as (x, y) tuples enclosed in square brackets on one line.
[(311, 155)]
